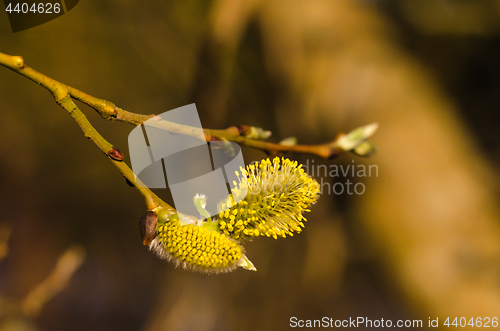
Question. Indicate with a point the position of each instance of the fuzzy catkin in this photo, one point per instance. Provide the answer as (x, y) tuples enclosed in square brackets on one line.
[(194, 247), (278, 192)]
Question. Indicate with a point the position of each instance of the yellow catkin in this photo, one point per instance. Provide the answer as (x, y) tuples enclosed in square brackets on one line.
[(196, 248), (278, 193)]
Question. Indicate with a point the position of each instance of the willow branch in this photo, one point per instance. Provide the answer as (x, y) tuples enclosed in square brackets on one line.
[(62, 97), (108, 110), (58, 279)]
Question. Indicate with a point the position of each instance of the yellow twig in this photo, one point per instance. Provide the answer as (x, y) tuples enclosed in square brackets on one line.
[(110, 111), (58, 279), (62, 97)]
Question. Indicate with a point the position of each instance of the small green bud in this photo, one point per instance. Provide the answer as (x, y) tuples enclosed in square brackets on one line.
[(290, 141), (164, 215), (200, 202), (356, 137), (253, 132), (364, 149)]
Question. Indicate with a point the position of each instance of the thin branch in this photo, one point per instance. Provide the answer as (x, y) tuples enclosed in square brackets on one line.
[(63, 98), (110, 111), (243, 135), (58, 279)]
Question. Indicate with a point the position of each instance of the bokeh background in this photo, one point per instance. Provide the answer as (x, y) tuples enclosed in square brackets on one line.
[(422, 241)]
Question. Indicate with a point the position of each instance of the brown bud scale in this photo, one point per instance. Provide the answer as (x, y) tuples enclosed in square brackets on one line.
[(115, 154), (244, 130), (147, 227)]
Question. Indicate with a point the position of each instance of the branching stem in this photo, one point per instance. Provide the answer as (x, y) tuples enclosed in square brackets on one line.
[(64, 96)]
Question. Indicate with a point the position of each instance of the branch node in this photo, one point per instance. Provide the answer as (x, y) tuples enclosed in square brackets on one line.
[(61, 96), (18, 61), (106, 109)]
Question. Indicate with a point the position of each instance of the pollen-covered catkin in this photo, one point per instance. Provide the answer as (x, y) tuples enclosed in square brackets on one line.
[(278, 192), (196, 248)]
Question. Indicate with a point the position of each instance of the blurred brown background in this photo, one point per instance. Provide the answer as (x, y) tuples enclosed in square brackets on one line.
[(423, 241)]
